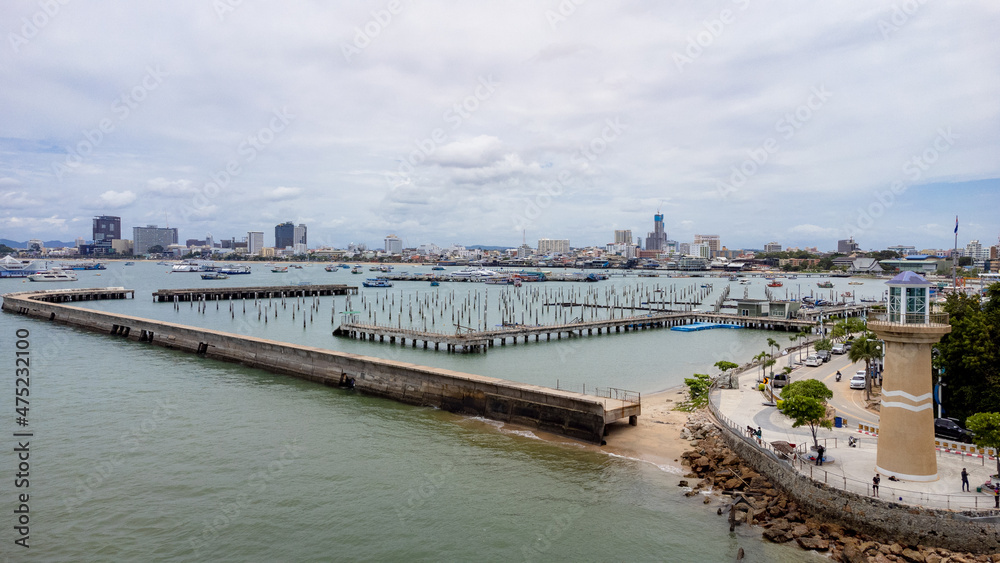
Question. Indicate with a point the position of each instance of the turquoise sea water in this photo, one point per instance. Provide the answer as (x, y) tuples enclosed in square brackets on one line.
[(142, 454)]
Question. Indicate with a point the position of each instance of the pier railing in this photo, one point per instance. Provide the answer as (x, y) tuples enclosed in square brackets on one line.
[(619, 394)]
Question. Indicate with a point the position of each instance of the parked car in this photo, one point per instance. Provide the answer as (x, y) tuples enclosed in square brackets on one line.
[(779, 380), (858, 380), (839, 348), (823, 355), (950, 428), (814, 361)]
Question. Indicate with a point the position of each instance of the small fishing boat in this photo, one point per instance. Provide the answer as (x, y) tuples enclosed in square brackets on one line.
[(280, 269), (775, 283), (330, 268), (215, 276), (438, 268), (825, 284), (435, 283), (130, 263), (376, 282), (357, 270), (855, 283)]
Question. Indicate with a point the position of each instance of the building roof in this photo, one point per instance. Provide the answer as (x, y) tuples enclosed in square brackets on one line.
[(908, 278)]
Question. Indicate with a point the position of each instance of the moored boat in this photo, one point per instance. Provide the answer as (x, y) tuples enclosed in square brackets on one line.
[(825, 284), (214, 276), (53, 275), (376, 282), (357, 270), (280, 269)]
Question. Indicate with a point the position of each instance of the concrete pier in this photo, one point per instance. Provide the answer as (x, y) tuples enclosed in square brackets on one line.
[(552, 410), (259, 292)]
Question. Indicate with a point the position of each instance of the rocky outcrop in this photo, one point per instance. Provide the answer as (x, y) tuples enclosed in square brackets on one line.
[(714, 468)]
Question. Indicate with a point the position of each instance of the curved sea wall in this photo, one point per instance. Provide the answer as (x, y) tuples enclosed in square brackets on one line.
[(552, 410), (891, 522)]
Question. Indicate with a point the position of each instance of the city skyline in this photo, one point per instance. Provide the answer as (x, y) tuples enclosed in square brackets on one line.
[(759, 123)]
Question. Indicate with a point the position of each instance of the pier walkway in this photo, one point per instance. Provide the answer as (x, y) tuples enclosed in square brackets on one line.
[(475, 341), (257, 292)]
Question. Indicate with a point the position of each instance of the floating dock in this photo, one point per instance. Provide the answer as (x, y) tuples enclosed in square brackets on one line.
[(258, 292), (702, 326)]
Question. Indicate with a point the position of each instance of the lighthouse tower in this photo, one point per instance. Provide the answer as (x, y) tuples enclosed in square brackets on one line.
[(906, 425)]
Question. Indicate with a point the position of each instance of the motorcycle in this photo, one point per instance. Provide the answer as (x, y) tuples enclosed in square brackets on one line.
[(838, 375)]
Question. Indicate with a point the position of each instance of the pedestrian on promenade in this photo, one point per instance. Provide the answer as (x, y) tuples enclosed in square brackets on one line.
[(996, 497), (875, 481), (965, 480), (820, 450)]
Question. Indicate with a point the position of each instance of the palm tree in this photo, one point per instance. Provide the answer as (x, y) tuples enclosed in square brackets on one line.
[(867, 350), (793, 338), (804, 334), (759, 358)]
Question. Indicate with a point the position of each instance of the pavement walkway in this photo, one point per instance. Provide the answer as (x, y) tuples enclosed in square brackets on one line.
[(852, 468)]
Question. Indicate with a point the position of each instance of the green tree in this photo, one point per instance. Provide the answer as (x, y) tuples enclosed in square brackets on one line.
[(866, 350), (823, 344), (986, 425), (760, 358), (970, 355), (725, 366), (804, 410), (698, 387), (807, 388)]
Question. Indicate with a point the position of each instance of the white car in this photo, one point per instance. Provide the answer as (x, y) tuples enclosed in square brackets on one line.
[(814, 361), (858, 380)]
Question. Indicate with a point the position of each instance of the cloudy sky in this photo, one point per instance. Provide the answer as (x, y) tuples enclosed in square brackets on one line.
[(475, 122)]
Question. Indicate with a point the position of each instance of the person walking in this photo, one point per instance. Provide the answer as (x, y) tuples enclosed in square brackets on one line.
[(996, 497), (875, 481), (820, 450), (965, 481)]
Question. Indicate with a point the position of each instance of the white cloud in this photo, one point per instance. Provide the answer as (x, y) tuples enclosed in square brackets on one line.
[(116, 200), (17, 200), (171, 188), (281, 193)]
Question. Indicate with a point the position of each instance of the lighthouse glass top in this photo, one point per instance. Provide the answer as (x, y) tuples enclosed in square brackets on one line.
[(908, 299)]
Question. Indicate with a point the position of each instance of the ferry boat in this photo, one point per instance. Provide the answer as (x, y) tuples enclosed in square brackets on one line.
[(214, 276), (11, 267), (53, 275), (472, 273), (825, 284), (280, 269), (235, 269), (83, 266), (376, 282)]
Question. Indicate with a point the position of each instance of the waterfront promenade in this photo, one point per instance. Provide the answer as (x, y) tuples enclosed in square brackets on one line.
[(852, 468)]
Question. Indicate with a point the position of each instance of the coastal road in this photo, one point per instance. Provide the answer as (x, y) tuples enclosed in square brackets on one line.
[(848, 402)]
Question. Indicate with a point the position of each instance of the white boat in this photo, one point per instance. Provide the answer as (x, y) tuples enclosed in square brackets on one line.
[(474, 274), (11, 267), (214, 276), (53, 275)]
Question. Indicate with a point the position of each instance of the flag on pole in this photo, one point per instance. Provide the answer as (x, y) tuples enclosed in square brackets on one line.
[(956, 224)]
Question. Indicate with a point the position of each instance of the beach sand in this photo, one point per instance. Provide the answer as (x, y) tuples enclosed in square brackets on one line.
[(657, 438)]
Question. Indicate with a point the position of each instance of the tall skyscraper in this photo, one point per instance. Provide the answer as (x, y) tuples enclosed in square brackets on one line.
[(623, 236), (772, 247), (107, 227), (284, 235), (255, 242), (846, 246), (393, 245), (144, 238), (299, 239), (657, 239)]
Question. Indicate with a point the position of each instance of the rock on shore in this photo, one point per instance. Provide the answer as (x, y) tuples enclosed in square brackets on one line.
[(718, 470)]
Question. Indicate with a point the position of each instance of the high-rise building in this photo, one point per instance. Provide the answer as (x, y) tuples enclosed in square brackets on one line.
[(144, 238), (107, 227), (700, 249), (657, 239), (772, 247), (553, 246), (976, 251), (299, 234), (255, 242), (393, 245), (623, 236), (714, 245), (847, 246), (284, 235)]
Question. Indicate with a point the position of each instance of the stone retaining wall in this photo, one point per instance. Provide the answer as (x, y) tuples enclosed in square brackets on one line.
[(561, 412), (891, 522)]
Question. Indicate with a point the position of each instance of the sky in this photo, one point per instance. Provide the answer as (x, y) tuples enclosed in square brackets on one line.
[(485, 122)]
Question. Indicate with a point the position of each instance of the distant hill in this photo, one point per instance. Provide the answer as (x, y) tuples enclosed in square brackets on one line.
[(48, 243)]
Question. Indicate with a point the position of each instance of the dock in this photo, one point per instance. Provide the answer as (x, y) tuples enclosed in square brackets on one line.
[(256, 292), (569, 413), (479, 341)]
